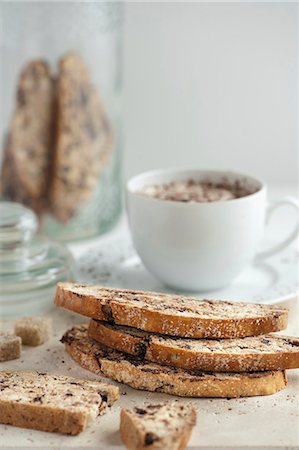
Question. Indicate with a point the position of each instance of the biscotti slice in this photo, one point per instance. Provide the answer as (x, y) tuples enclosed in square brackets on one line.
[(171, 314), (159, 427), (53, 403), (249, 354), (10, 347), (84, 138), (28, 151), (139, 374), (34, 330)]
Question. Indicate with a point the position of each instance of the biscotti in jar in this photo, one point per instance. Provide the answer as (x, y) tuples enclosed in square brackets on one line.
[(60, 144)]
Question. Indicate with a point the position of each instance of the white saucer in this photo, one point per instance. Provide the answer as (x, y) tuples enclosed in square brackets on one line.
[(115, 263)]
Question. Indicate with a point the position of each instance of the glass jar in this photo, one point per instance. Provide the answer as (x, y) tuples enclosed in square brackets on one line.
[(60, 77), (31, 265)]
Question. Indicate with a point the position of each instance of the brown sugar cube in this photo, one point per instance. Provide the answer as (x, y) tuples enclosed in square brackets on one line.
[(10, 347), (34, 330)]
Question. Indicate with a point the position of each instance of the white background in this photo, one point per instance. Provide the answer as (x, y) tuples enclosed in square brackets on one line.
[(212, 85)]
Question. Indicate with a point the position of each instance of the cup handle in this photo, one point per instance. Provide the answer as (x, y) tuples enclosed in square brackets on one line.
[(292, 235)]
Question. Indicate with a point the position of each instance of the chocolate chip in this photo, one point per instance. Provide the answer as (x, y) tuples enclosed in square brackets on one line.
[(66, 339), (150, 370), (141, 349), (3, 387), (77, 294), (21, 98), (150, 438), (140, 411), (106, 310), (83, 98), (37, 399), (89, 129), (104, 397), (65, 169), (30, 152)]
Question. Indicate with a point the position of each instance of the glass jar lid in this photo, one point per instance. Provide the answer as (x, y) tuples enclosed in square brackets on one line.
[(30, 264)]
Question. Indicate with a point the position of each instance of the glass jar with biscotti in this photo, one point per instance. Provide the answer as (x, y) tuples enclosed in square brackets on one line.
[(60, 76)]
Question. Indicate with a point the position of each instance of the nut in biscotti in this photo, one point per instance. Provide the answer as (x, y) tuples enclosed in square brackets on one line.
[(34, 330), (53, 403), (160, 426), (10, 347)]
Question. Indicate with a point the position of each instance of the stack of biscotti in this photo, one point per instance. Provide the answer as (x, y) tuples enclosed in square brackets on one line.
[(179, 345)]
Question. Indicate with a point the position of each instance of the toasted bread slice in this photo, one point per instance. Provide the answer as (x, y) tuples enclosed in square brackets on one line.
[(138, 374), (171, 314), (249, 354), (54, 403), (163, 426)]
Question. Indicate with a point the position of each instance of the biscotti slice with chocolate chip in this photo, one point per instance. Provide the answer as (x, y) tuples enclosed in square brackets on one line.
[(53, 403), (27, 156), (159, 427), (83, 138), (169, 314), (249, 354), (147, 376)]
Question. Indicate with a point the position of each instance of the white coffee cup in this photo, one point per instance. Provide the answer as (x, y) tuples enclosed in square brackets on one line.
[(200, 246)]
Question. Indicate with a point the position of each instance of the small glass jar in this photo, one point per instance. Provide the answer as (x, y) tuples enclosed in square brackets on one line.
[(31, 265), (60, 77)]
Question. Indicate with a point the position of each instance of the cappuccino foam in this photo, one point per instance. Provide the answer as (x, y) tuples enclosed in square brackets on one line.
[(193, 191)]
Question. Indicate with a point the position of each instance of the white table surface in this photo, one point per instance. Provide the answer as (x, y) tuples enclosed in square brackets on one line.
[(257, 422)]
